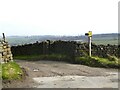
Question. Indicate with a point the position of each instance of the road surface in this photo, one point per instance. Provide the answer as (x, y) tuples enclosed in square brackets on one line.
[(53, 74)]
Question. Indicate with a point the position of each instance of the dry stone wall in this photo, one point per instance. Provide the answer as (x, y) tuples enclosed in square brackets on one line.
[(67, 48), (5, 52), (100, 50)]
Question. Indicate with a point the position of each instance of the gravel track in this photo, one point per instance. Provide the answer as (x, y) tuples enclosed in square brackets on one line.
[(39, 71)]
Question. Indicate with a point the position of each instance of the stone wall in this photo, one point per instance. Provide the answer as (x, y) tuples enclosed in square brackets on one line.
[(67, 48), (99, 50), (5, 52)]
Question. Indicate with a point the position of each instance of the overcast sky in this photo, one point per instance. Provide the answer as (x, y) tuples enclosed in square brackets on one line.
[(58, 17)]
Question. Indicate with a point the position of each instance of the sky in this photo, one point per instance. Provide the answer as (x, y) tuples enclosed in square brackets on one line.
[(58, 17)]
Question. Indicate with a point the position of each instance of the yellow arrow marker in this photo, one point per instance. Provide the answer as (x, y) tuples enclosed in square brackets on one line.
[(90, 33)]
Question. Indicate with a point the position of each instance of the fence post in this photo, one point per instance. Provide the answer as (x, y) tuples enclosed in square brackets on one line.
[(89, 34)]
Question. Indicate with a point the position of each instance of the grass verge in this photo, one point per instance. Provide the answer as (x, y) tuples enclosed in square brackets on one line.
[(53, 57), (98, 62), (0, 71), (94, 61), (11, 71)]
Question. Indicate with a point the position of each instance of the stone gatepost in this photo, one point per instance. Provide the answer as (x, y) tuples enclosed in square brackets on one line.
[(5, 51)]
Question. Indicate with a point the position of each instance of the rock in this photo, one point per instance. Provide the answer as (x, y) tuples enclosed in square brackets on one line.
[(35, 70)]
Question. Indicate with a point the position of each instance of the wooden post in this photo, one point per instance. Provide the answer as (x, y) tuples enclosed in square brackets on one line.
[(3, 37)]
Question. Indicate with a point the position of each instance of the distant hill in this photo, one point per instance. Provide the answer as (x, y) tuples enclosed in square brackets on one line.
[(97, 38)]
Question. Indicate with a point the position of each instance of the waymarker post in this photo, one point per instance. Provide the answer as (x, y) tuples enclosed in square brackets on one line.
[(89, 34)]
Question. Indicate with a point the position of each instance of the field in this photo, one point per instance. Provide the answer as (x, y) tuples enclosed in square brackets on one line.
[(97, 39)]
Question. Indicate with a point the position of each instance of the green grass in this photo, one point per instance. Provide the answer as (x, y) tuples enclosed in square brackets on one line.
[(54, 57), (98, 62), (105, 41), (11, 71), (94, 61), (0, 71)]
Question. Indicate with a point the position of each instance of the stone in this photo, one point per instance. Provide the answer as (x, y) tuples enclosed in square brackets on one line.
[(5, 52)]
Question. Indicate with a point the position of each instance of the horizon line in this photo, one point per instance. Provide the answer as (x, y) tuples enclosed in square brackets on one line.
[(54, 35)]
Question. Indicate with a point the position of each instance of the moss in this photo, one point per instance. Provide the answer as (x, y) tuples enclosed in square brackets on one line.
[(11, 71)]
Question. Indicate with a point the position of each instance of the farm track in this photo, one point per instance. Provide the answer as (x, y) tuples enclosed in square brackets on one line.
[(47, 69)]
